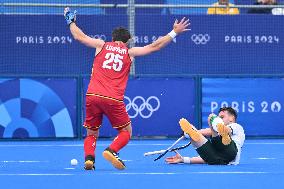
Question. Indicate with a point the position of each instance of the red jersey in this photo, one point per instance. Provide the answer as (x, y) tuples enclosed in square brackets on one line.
[(110, 72)]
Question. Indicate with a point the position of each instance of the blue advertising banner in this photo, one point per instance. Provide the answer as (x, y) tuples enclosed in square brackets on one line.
[(43, 44), (155, 106), (38, 108), (242, 44), (259, 102)]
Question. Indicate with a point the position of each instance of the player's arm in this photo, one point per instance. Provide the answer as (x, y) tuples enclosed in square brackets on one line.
[(178, 28), (180, 159), (78, 34), (206, 132)]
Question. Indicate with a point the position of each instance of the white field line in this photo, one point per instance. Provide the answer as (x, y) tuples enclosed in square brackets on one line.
[(131, 144)]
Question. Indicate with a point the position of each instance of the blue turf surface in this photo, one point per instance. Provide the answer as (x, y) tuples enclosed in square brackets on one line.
[(47, 165)]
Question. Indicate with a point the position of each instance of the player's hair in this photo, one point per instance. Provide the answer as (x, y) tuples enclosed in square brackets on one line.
[(121, 34), (230, 110)]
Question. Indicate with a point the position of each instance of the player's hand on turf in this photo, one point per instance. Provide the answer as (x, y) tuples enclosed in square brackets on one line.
[(181, 26), (69, 16), (174, 159)]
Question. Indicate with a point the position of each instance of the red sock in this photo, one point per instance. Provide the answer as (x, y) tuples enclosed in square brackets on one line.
[(120, 141), (90, 145)]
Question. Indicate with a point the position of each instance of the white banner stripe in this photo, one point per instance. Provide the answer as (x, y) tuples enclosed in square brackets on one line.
[(141, 173), (177, 173)]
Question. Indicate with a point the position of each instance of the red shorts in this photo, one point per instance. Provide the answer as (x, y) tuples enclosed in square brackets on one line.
[(97, 106)]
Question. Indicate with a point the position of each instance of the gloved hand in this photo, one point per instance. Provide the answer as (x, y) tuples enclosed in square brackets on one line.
[(69, 16), (210, 117)]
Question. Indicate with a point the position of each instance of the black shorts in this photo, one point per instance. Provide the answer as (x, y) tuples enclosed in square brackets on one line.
[(214, 152)]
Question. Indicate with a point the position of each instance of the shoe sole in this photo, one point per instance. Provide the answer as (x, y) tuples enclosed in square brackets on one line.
[(89, 165), (226, 140), (189, 129), (109, 157)]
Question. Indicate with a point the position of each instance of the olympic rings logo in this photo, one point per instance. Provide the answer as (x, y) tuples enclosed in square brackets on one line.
[(200, 39), (97, 36), (144, 108)]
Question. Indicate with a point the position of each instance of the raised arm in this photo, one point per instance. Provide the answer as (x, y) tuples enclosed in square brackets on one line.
[(78, 34), (178, 28)]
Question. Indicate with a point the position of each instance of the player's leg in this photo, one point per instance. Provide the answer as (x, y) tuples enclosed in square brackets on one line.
[(203, 146), (122, 138), (210, 155), (207, 154), (224, 132), (92, 122), (228, 152), (89, 148), (111, 153), (218, 128), (116, 113), (196, 137)]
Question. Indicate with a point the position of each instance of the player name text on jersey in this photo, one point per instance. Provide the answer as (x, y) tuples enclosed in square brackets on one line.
[(116, 49)]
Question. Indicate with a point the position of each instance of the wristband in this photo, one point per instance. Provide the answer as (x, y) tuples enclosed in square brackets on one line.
[(172, 34), (186, 159)]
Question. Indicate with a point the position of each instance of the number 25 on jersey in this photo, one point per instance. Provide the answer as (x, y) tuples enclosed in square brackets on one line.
[(113, 61)]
